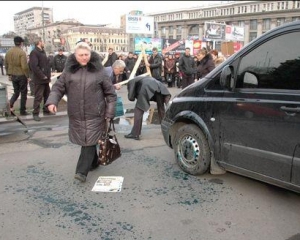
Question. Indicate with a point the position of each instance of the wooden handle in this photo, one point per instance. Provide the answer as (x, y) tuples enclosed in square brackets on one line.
[(137, 63), (105, 59), (146, 62), (126, 81)]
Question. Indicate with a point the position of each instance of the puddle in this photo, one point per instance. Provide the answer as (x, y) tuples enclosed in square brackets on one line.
[(150, 117), (10, 137)]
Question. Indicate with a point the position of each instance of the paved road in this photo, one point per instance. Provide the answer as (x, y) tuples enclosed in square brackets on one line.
[(40, 199)]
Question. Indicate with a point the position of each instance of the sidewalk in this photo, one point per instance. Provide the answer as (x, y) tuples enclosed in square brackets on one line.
[(29, 104), (4, 81), (62, 107)]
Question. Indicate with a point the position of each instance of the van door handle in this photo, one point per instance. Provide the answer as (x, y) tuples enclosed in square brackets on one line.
[(290, 109)]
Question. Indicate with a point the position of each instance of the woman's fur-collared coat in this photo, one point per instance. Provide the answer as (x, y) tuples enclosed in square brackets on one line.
[(91, 99)]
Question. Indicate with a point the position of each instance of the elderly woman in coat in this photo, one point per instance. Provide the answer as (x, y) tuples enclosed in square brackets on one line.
[(91, 103)]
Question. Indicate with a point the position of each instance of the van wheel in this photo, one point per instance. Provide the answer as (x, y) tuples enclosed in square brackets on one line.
[(191, 149)]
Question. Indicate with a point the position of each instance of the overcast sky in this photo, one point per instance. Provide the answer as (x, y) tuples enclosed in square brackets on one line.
[(89, 12)]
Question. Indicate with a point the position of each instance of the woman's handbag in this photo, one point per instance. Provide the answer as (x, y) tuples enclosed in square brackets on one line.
[(109, 148), (119, 107)]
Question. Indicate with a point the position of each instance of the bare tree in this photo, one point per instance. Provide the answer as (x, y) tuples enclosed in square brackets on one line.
[(29, 38), (9, 35)]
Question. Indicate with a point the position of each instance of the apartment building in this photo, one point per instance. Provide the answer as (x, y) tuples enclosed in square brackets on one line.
[(256, 17), (31, 18)]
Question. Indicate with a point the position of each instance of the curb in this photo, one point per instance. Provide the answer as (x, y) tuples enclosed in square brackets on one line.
[(30, 117)]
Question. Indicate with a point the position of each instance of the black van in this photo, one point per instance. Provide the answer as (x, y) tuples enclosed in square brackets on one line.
[(244, 116)]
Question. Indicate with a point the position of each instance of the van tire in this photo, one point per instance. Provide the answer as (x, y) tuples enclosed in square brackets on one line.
[(191, 150)]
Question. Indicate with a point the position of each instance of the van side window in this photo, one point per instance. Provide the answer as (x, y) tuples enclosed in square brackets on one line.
[(273, 65)]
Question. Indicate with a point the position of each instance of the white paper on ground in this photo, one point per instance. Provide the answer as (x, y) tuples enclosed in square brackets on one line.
[(108, 184)]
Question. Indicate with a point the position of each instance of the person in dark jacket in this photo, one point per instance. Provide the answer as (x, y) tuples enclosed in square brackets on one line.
[(187, 68), (178, 75), (112, 57), (141, 68), (51, 61), (91, 104), (1, 64), (155, 64), (205, 63), (130, 62), (169, 70), (59, 61), (41, 76), (144, 89)]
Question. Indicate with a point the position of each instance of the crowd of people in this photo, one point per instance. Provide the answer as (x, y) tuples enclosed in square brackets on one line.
[(174, 70)]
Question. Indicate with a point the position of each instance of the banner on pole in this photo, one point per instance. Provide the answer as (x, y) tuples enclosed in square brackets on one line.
[(139, 24)]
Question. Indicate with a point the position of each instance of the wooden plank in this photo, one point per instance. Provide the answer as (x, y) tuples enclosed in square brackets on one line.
[(126, 81), (137, 63), (146, 62), (105, 59)]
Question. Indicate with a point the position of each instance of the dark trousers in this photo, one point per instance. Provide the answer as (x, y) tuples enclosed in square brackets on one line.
[(20, 86), (40, 91), (1, 66), (138, 114), (187, 80), (137, 122), (169, 77), (160, 100), (88, 157)]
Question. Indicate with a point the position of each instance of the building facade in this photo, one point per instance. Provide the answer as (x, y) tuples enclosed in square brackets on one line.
[(53, 38), (31, 18), (101, 37), (256, 17)]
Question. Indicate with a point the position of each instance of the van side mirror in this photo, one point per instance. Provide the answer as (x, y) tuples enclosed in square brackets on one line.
[(227, 79)]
